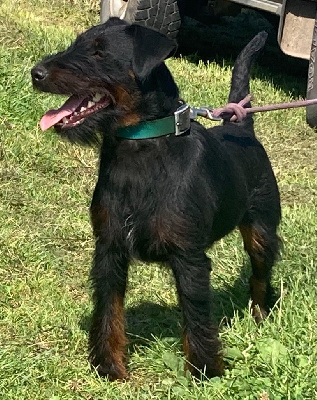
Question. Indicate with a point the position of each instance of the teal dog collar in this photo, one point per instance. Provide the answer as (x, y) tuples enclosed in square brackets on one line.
[(177, 124)]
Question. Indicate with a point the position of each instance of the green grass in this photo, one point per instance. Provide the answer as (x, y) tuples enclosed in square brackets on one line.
[(46, 244)]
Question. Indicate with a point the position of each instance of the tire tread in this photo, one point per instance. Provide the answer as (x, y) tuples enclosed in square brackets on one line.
[(162, 15)]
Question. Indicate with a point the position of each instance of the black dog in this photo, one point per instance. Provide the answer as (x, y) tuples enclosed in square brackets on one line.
[(166, 197)]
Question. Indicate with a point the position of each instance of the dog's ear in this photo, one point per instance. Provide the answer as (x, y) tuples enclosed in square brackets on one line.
[(150, 48)]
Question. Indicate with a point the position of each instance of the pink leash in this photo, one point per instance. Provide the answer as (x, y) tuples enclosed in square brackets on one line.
[(237, 111)]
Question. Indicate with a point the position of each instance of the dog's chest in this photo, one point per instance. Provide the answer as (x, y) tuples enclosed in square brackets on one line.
[(150, 227), (152, 238), (142, 214)]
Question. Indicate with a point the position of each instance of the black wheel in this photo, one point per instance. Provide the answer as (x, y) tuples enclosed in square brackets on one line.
[(311, 111), (162, 15)]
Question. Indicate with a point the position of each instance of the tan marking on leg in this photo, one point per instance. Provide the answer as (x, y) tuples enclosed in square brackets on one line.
[(251, 238), (253, 244), (99, 218), (186, 349), (117, 340)]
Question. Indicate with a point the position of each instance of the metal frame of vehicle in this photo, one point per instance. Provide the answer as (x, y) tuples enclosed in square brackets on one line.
[(272, 6)]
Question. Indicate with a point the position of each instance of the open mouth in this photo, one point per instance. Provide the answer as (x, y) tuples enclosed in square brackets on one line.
[(74, 111)]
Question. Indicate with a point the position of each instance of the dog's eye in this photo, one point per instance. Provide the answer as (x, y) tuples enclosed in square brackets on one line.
[(98, 54)]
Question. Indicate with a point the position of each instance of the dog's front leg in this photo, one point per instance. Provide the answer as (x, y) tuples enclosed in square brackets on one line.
[(200, 339), (107, 339)]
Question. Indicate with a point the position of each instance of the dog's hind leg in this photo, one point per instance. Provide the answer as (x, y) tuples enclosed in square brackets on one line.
[(262, 245), (107, 339), (200, 339)]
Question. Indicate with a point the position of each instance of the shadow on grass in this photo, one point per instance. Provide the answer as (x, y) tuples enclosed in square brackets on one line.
[(221, 40), (148, 321)]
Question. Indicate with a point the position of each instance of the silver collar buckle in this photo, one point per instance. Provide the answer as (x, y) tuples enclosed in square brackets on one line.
[(182, 119)]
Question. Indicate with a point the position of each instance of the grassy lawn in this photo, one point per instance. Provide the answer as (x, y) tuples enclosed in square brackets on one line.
[(46, 244)]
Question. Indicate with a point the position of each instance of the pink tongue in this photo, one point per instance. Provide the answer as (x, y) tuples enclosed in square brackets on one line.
[(52, 117)]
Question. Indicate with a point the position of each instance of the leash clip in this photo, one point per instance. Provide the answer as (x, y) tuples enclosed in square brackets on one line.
[(203, 111), (182, 119), (185, 113)]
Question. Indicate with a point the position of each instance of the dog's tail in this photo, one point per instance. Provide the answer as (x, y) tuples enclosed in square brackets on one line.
[(241, 72)]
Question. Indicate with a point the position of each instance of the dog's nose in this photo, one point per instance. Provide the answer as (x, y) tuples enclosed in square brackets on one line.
[(39, 73)]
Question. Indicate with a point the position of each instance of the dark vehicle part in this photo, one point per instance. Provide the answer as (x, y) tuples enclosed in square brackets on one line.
[(298, 37), (162, 15)]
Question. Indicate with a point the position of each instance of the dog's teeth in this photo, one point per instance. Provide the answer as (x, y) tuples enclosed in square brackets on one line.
[(64, 120), (97, 97), (82, 109), (90, 104)]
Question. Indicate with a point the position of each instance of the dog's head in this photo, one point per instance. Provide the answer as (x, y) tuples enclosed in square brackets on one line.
[(110, 73)]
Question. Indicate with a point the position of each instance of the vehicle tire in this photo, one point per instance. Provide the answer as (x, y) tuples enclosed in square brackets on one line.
[(162, 15), (311, 111)]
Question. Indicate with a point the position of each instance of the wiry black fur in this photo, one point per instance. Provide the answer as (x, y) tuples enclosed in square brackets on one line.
[(166, 199)]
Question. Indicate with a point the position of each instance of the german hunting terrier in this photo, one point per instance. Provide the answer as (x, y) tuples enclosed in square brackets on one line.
[(168, 188)]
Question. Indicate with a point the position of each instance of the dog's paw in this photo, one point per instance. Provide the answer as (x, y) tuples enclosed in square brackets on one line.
[(259, 314), (216, 368), (112, 371)]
